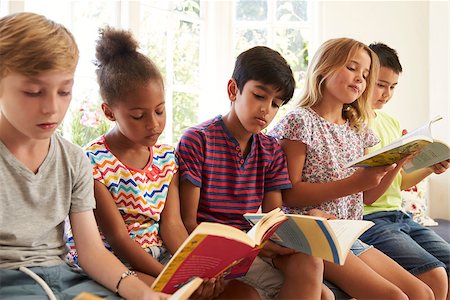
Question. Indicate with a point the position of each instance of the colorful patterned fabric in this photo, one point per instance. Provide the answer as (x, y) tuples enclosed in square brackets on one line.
[(140, 195), (231, 185), (329, 147)]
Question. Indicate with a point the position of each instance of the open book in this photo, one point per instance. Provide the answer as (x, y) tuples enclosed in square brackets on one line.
[(214, 249), (420, 142), (329, 239)]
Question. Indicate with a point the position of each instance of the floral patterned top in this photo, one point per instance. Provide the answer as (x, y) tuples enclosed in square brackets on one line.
[(329, 147)]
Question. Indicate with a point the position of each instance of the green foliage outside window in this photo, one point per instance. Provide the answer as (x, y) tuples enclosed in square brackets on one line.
[(87, 124), (170, 34)]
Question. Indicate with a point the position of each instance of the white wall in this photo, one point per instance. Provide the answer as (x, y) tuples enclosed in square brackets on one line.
[(419, 31), (439, 59)]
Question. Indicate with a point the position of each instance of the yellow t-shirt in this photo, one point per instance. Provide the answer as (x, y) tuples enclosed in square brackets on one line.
[(387, 129)]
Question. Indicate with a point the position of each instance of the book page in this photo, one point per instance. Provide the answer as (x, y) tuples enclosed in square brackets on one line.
[(290, 236), (319, 238), (264, 225), (348, 231), (424, 130), (305, 234), (428, 156), (398, 149), (392, 156)]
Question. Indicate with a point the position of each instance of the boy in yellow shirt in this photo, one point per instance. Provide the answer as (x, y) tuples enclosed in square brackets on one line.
[(417, 248)]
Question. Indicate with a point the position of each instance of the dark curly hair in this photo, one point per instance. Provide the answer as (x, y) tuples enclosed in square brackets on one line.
[(120, 67)]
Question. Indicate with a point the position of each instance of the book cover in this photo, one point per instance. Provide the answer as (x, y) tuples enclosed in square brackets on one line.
[(330, 240), (214, 249)]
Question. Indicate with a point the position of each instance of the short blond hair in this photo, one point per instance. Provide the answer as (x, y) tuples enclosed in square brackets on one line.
[(31, 44), (330, 57)]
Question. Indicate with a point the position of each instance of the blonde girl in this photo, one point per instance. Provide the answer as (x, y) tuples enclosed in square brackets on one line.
[(327, 129)]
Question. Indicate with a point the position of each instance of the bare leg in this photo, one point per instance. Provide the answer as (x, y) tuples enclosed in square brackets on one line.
[(448, 289), (392, 271), (236, 289), (326, 294), (360, 281), (438, 281), (303, 276)]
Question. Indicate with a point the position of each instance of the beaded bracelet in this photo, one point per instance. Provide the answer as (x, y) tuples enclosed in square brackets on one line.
[(122, 277)]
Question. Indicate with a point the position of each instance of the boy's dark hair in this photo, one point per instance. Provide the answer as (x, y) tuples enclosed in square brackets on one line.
[(120, 67), (263, 64), (388, 57)]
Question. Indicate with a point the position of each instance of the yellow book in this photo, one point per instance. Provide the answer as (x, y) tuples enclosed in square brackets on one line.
[(420, 142), (330, 240)]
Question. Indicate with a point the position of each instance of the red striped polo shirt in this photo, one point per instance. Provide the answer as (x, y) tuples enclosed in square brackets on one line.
[(231, 185)]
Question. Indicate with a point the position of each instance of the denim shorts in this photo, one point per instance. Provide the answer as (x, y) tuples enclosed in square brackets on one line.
[(359, 247), (416, 248), (160, 253), (64, 283)]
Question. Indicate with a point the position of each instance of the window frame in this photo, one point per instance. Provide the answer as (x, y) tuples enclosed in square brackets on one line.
[(217, 30)]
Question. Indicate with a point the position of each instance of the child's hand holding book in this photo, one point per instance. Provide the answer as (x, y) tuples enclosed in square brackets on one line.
[(419, 143), (367, 178), (209, 289), (272, 250)]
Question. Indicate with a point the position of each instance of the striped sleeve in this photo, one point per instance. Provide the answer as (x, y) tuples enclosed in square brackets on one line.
[(277, 176), (190, 154)]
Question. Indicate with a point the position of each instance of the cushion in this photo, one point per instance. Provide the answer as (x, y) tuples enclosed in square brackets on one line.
[(415, 201)]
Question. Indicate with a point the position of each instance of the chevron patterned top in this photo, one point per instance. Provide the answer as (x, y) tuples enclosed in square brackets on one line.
[(140, 195)]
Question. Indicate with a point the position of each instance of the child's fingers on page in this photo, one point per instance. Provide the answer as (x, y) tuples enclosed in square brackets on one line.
[(219, 287), (280, 250), (286, 251), (198, 292), (208, 288), (445, 164), (390, 168), (440, 168)]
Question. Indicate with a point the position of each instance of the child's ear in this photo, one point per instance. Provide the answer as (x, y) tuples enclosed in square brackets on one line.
[(108, 112), (232, 89)]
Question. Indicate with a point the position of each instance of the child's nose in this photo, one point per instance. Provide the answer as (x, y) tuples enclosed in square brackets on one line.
[(265, 107), (387, 93), (49, 104), (151, 123)]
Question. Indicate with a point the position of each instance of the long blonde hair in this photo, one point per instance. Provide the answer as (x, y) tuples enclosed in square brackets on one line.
[(31, 44), (330, 57)]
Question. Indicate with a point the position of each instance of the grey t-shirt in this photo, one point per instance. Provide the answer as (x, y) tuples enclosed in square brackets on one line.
[(33, 206)]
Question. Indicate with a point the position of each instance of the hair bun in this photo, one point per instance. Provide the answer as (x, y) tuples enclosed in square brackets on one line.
[(114, 43)]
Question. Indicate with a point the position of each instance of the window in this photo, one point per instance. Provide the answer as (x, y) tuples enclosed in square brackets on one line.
[(193, 42), (282, 25)]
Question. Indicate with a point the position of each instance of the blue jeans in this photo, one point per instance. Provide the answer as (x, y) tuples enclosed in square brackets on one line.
[(416, 248), (359, 247), (64, 283)]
